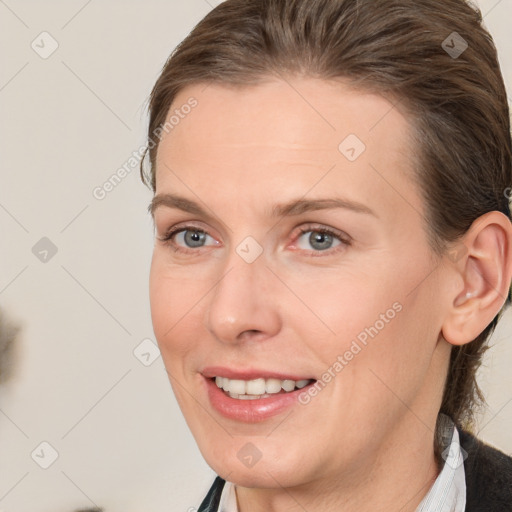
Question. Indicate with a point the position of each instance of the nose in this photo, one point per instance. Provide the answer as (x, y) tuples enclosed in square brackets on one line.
[(244, 303)]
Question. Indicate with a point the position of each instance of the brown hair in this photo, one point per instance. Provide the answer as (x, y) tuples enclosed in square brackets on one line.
[(407, 50)]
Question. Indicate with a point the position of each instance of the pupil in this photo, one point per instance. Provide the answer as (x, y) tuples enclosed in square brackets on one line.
[(194, 238), (323, 239)]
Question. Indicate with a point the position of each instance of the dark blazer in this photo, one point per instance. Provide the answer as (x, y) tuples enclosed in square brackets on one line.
[(488, 476), (488, 479)]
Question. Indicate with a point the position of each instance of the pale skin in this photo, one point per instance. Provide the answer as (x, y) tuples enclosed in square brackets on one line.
[(365, 442)]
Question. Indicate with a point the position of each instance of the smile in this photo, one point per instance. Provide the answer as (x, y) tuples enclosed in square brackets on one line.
[(252, 396), (258, 388)]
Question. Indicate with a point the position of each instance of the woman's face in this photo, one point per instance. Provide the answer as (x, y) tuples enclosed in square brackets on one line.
[(299, 254)]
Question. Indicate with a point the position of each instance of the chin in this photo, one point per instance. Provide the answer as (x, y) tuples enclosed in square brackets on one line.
[(270, 471), (259, 476)]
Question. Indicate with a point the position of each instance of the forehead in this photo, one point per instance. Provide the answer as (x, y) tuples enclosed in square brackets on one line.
[(287, 135), (310, 110)]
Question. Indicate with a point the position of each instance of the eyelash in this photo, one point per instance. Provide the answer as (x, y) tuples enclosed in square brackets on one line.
[(345, 240)]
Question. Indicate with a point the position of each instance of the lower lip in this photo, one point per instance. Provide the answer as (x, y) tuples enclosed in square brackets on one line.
[(251, 411)]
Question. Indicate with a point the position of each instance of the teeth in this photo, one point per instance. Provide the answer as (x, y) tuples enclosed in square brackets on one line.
[(235, 386), (273, 385), (257, 388), (288, 385), (249, 397)]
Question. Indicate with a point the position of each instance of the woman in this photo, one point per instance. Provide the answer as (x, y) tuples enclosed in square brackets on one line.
[(334, 248)]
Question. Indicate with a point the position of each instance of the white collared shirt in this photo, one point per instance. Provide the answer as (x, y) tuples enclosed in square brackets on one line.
[(228, 499), (448, 494)]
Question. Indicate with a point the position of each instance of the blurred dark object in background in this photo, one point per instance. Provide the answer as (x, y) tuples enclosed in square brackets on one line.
[(8, 334)]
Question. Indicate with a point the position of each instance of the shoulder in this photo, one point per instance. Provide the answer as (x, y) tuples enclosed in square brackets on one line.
[(488, 476)]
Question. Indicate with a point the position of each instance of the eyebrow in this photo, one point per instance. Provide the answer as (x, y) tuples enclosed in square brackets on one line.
[(300, 206), (295, 207)]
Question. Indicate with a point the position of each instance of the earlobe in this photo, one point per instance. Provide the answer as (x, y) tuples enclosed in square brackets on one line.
[(485, 269)]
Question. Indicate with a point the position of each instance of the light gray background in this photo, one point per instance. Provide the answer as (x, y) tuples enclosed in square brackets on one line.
[(68, 123)]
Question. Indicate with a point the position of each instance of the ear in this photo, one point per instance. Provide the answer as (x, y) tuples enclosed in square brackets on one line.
[(481, 265)]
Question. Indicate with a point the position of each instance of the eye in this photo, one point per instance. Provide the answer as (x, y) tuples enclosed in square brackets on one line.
[(185, 238), (321, 239), (192, 239)]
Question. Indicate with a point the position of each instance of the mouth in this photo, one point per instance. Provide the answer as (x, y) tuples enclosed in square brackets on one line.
[(259, 388), (253, 396)]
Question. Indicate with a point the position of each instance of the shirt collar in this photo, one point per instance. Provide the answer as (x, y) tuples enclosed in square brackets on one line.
[(228, 499), (448, 494)]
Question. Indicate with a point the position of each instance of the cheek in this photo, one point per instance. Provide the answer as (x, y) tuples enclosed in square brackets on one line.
[(342, 309), (172, 312), (373, 331), (172, 303)]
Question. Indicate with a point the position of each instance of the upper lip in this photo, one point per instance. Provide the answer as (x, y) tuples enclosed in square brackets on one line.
[(252, 374)]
